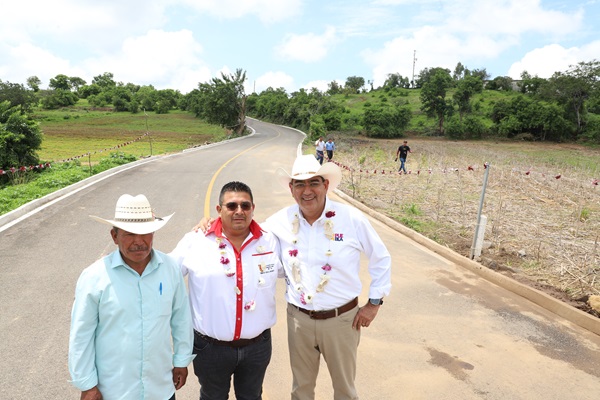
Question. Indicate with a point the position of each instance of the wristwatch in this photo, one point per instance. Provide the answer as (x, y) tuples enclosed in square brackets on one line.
[(376, 302)]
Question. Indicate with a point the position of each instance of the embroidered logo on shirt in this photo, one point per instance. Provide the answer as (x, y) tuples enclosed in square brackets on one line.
[(338, 237)]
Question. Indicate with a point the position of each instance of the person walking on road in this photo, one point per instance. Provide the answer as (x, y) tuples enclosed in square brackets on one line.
[(320, 147), (402, 153), (131, 326), (330, 147), (232, 271)]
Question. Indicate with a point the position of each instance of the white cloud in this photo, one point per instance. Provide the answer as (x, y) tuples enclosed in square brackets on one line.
[(508, 17), (271, 79), (30, 60), (164, 59), (545, 61), (321, 85), (307, 48), (97, 25), (472, 33), (268, 11)]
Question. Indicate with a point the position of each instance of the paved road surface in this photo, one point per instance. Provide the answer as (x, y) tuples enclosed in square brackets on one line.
[(443, 333)]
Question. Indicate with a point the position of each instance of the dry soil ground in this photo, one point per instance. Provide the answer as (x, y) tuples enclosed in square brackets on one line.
[(543, 212)]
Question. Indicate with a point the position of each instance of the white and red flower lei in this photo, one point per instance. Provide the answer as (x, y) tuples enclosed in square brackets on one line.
[(249, 305), (306, 296)]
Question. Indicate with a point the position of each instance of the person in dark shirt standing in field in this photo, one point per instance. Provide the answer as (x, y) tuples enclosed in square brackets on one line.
[(402, 152)]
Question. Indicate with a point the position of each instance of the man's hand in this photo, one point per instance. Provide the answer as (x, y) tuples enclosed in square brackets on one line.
[(91, 394), (365, 316), (203, 225), (179, 377)]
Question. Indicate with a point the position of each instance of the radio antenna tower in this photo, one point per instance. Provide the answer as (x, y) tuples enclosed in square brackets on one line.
[(414, 62)]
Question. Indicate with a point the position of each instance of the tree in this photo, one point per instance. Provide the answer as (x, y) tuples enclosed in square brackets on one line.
[(76, 82), (433, 96), (537, 119), (58, 98), (460, 71), (386, 121), (17, 95), (222, 101), (500, 83), (105, 81), (34, 83), (19, 138), (396, 80), (334, 88), (573, 87), (428, 73), (60, 82), (531, 84), (354, 83), (465, 89)]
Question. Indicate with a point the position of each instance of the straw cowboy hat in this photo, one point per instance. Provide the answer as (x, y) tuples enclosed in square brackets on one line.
[(134, 214), (307, 166)]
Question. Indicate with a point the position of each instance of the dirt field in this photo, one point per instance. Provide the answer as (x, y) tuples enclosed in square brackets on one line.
[(542, 204)]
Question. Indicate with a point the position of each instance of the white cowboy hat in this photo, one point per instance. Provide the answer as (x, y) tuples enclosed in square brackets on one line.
[(134, 214), (306, 166)]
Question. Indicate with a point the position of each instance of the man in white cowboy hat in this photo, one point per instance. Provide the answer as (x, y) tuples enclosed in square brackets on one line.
[(321, 241), (131, 327), (232, 271)]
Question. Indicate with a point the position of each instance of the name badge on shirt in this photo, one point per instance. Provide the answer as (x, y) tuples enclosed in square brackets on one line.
[(338, 237)]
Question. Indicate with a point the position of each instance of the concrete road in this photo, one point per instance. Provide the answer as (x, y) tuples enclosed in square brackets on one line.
[(443, 333)]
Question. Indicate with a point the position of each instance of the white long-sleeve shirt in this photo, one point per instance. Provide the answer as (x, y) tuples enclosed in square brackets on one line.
[(311, 250), (232, 294)]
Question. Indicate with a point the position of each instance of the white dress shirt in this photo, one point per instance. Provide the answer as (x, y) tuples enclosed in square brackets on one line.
[(241, 305), (315, 246)]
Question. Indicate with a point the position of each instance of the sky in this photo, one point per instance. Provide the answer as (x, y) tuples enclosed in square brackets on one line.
[(291, 44)]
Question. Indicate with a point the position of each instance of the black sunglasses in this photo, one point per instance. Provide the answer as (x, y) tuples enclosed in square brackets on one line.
[(232, 206)]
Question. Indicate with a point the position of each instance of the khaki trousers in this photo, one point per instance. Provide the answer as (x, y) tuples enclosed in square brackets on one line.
[(335, 339)]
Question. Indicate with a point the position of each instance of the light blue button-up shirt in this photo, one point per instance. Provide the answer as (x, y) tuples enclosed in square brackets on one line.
[(122, 325)]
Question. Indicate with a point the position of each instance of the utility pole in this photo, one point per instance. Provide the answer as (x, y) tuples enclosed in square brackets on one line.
[(414, 62)]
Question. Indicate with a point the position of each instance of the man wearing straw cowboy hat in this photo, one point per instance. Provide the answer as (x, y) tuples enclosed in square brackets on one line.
[(131, 327), (321, 241)]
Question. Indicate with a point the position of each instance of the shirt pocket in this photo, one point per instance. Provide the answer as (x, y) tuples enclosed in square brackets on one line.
[(266, 264), (163, 299)]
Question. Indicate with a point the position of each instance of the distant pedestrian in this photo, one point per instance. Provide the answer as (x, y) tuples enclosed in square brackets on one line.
[(329, 147), (402, 153), (320, 146)]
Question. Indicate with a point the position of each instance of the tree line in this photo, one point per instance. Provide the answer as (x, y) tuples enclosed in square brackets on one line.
[(565, 107)]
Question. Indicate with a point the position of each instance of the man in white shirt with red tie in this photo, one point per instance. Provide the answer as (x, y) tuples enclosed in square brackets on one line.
[(232, 270)]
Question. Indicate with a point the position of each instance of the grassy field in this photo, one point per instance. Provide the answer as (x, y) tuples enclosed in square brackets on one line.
[(80, 141), (541, 203), (79, 130), (355, 105)]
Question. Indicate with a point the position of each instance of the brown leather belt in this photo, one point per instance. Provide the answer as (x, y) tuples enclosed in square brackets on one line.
[(233, 343), (326, 314)]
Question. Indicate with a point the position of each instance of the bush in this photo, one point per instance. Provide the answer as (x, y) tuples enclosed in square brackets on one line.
[(386, 121)]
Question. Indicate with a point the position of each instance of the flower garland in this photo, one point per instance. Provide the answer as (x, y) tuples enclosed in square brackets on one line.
[(306, 297), (230, 272)]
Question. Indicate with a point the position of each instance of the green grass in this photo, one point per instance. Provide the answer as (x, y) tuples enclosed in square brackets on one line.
[(75, 131), (86, 130), (38, 184)]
